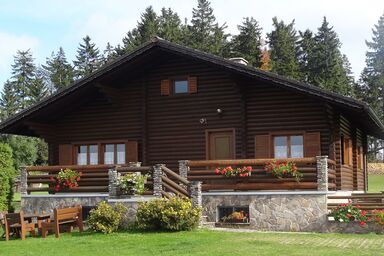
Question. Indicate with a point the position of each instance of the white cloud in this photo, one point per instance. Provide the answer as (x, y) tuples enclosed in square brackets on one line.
[(10, 43)]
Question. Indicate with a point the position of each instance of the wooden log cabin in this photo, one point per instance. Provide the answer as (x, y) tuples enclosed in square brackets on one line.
[(165, 102)]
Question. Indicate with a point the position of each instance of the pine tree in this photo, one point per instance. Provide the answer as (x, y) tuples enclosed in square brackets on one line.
[(283, 43), (23, 72), (205, 33), (306, 48), (8, 101), (327, 64), (170, 26), (59, 72), (247, 43), (88, 58)]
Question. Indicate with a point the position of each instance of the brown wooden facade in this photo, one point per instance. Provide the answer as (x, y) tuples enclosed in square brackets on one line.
[(136, 105)]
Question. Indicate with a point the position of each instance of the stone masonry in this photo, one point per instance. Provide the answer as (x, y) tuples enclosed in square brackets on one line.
[(274, 212)]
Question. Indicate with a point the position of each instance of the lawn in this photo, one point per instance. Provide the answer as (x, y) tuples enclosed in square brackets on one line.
[(376, 183), (200, 242)]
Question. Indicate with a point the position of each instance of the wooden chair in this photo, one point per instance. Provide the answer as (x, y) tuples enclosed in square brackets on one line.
[(2, 222), (14, 222), (67, 216)]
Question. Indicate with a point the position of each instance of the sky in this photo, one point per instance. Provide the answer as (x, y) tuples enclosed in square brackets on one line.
[(44, 26)]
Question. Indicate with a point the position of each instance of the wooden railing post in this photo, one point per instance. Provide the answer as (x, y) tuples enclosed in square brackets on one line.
[(322, 173), (157, 182), (194, 190), (23, 181), (113, 180)]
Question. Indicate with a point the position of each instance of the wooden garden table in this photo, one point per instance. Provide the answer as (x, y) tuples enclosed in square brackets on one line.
[(40, 217)]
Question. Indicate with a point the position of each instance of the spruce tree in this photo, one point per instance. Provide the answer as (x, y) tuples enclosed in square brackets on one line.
[(205, 33), (88, 58), (59, 72), (371, 86), (8, 101), (306, 48), (109, 54), (170, 26), (146, 29), (283, 44), (23, 72), (247, 43), (38, 89), (327, 64)]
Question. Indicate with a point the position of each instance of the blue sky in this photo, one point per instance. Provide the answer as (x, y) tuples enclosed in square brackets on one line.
[(44, 26)]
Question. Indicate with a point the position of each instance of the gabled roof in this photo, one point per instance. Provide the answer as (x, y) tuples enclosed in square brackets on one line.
[(359, 109)]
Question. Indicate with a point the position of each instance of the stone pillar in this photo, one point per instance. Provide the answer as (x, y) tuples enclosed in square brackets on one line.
[(322, 173), (113, 179), (157, 183), (23, 181), (183, 168), (194, 190)]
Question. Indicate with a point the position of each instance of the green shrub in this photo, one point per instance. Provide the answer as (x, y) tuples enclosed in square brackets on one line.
[(132, 183), (7, 174), (175, 214), (105, 218)]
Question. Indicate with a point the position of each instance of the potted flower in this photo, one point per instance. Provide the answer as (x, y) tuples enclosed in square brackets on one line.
[(283, 169), (66, 179), (228, 171), (131, 184), (236, 217)]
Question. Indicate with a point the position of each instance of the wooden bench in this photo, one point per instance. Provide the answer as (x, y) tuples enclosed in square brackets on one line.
[(66, 216)]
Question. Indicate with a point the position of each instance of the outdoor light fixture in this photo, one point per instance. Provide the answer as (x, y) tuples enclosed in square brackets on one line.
[(219, 111)]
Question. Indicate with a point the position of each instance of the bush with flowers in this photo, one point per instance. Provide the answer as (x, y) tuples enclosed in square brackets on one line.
[(283, 169), (228, 171), (348, 212), (66, 179)]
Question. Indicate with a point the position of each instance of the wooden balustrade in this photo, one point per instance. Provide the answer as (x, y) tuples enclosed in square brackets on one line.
[(173, 183), (260, 179)]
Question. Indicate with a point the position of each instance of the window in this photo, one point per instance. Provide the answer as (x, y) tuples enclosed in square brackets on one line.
[(87, 154), (114, 153), (180, 86), (288, 146)]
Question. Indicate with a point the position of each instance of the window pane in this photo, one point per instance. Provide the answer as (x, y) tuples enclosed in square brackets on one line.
[(93, 154), (181, 86), (297, 149), (281, 149), (120, 153), (109, 154), (82, 155)]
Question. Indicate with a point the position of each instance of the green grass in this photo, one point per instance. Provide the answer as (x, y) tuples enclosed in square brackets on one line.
[(201, 242), (376, 183)]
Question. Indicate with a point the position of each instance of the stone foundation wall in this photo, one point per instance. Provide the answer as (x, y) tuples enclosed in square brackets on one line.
[(274, 212), (46, 203)]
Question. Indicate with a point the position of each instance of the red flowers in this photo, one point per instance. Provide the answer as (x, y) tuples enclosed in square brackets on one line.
[(228, 171), (66, 179), (283, 169)]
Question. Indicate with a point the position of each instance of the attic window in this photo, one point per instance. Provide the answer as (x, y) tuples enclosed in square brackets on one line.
[(180, 86)]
